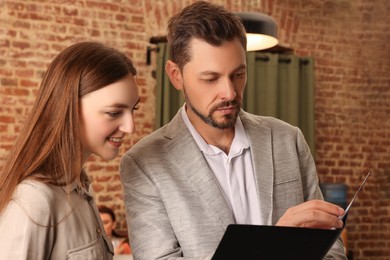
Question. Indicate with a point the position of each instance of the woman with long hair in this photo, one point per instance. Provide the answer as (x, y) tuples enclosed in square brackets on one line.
[(84, 106)]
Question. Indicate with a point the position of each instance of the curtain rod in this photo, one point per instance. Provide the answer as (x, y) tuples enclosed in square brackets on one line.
[(149, 49), (280, 49), (303, 61), (158, 39)]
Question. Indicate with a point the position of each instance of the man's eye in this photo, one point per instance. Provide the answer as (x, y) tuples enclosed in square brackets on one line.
[(136, 107), (210, 80), (240, 75)]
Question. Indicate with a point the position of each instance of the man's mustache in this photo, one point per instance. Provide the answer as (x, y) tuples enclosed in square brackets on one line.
[(230, 103)]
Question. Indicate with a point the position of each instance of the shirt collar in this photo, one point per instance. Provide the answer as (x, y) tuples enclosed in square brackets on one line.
[(83, 189)]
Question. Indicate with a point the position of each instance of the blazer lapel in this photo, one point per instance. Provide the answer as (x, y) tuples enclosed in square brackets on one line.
[(192, 164), (261, 145)]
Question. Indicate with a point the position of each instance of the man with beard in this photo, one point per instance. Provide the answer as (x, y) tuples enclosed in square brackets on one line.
[(215, 164)]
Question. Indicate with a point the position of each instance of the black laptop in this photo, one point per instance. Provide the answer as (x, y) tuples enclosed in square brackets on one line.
[(253, 242)]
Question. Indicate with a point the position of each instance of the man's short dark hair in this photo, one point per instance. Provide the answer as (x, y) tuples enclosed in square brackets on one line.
[(204, 21)]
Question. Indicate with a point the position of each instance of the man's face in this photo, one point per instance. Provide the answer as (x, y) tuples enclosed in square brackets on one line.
[(213, 83)]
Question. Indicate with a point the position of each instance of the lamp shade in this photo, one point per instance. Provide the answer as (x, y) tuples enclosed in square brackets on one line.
[(261, 30)]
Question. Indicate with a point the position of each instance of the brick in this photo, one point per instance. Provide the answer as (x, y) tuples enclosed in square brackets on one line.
[(8, 82), (28, 83), (117, 187), (70, 11), (7, 119), (24, 73)]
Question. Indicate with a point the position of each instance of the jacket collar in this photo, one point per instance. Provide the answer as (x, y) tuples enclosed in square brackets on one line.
[(195, 168), (260, 138)]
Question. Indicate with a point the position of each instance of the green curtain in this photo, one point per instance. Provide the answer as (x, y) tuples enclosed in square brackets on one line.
[(279, 85), (282, 86), (168, 99)]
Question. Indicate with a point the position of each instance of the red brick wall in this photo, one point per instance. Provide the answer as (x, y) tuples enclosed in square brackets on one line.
[(350, 43), (348, 39)]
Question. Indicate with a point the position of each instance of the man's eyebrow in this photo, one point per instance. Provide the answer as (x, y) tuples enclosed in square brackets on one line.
[(208, 73), (213, 73), (242, 66)]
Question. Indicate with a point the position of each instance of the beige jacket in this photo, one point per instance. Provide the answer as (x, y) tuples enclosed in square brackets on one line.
[(49, 222)]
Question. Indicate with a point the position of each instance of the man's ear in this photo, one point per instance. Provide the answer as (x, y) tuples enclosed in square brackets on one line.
[(174, 74)]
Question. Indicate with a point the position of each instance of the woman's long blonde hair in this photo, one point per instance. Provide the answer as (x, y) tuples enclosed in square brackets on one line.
[(49, 146)]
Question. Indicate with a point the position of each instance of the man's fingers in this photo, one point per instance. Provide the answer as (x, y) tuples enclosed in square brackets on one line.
[(320, 219), (321, 206), (313, 214)]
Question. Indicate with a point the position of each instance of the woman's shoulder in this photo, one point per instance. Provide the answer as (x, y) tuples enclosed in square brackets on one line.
[(38, 200), (36, 192)]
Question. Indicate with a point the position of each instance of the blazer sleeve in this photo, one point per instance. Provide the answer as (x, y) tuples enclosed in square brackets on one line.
[(312, 190)]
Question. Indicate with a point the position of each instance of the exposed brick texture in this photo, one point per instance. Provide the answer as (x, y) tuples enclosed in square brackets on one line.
[(349, 40)]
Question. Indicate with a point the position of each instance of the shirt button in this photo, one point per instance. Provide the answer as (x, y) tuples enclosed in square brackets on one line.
[(98, 230)]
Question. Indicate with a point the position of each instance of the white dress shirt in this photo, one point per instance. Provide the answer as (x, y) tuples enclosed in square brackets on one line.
[(234, 172)]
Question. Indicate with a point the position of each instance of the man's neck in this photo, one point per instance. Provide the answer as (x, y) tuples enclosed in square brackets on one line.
[(221, 138)]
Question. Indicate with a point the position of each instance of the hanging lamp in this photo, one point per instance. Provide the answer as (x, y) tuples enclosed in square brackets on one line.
[(261, 30)]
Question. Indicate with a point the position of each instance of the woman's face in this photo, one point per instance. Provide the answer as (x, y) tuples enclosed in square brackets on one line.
[(107, 116)]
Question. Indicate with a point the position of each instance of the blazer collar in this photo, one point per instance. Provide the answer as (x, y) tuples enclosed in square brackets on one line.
[(260, 138), (193, 165)]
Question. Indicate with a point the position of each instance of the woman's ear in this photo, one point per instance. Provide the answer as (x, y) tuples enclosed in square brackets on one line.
[(174, 73)]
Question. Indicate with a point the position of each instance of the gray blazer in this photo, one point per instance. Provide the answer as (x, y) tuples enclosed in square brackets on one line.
[(173, 202)]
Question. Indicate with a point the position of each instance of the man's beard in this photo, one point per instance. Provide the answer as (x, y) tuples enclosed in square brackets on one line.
[(230, 119)]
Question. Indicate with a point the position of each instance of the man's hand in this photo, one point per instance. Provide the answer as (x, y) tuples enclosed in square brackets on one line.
[(313, 214)]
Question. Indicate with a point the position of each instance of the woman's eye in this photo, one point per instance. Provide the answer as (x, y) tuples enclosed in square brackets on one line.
[(136, 107), (113, 114)]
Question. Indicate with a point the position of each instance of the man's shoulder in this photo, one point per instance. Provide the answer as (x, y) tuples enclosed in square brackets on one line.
[(265, 121), (155, 141), (156, 138)]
